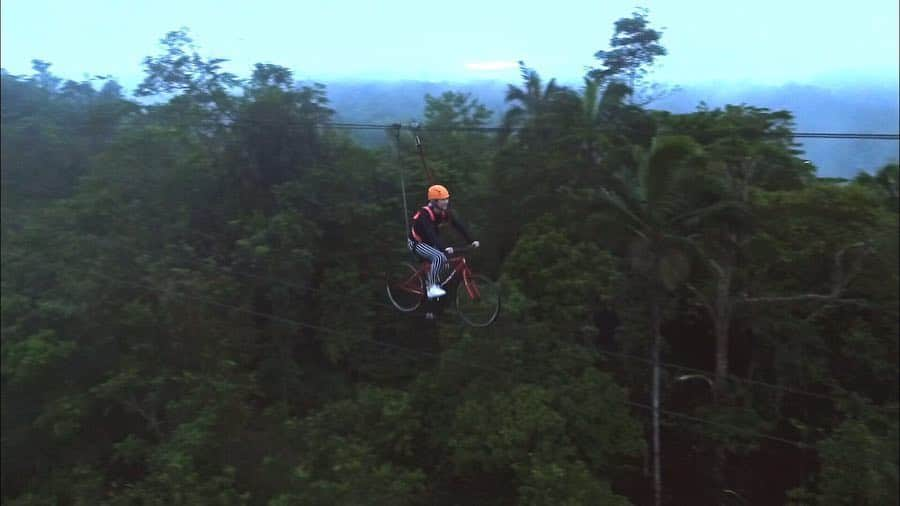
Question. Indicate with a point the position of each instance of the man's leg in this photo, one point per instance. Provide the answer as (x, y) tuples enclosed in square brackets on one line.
[(438, 261)]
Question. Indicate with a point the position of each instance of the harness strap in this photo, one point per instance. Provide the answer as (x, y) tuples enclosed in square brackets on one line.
[(415, 217)]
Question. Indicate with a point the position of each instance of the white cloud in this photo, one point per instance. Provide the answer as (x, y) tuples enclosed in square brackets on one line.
[(491, 65)]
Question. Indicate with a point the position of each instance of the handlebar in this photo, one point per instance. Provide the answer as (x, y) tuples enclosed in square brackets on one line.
[(460, 249)]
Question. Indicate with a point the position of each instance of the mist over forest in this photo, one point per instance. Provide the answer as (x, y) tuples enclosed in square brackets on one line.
[(856, 108)]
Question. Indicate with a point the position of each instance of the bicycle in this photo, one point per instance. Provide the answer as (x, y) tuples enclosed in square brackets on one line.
[(478, 303)]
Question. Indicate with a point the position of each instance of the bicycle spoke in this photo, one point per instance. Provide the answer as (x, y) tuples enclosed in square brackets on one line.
[(405, 287), (478, 301)]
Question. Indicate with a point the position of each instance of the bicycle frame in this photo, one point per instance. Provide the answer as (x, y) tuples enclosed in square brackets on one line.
[(406, 289), (458, 266), (466, 274)]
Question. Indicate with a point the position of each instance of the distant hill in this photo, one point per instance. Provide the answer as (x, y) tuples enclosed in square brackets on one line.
[(865, 108), (386, 102), (839, 108)]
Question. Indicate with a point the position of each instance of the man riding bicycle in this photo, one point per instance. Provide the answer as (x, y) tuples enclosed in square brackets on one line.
[(424, 237)]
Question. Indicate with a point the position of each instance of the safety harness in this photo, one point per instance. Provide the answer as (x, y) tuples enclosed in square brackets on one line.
[(416, 237)]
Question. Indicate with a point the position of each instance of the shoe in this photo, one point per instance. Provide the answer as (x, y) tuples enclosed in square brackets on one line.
[(435, 291)]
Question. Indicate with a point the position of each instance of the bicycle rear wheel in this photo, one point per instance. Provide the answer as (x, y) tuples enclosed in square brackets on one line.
[(478, 301), (404, 287)]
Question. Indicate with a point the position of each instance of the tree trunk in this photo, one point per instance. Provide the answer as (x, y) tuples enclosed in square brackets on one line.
[(722, 323), (722, 342), (751, 368), (654, 351)]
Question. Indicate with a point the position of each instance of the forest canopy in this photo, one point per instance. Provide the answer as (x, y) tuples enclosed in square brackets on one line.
[(193, 306)]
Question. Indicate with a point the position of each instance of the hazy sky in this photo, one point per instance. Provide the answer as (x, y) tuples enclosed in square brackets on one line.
[(758, 41)]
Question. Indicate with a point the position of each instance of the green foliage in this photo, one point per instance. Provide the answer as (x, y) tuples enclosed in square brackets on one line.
[(503, 431), (278, 125), (193, 312), (27, 360), (662, 168), (181, 70), (353, 452), (50, 133), (859, 465), (592, 404), (635, 48), (884, 183), (858, 468), (822, 219), (552, 278), (737, 133), (460, 157), (454, 110), (566, 483), (526, 431)]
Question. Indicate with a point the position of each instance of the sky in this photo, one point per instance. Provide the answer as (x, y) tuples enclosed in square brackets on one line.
[(767, 42)]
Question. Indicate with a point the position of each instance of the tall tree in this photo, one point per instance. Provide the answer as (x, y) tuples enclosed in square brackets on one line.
[(649, 203), (744, 148), (536, 106), (198, 86), (279, 128), (635, 48)]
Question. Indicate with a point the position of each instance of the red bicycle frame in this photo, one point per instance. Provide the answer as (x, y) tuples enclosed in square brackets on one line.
[(458, 265)]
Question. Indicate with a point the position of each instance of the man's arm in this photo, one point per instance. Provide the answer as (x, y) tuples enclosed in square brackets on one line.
[(461, 228)]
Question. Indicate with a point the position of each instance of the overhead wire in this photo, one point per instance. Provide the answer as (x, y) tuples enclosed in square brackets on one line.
[(415, 127)]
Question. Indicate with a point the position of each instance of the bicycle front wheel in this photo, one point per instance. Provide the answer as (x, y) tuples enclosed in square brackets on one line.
[(478, 300), (404, 287)]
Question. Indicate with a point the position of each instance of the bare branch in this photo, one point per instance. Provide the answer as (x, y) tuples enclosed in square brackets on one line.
[(151, 419), (704, 300), (716, 267), (839, 281), (698, 250), (806, 298)]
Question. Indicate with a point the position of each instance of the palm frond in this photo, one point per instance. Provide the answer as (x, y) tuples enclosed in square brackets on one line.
[(673, 203), (513, 117), (728, 210), (551, 89), (589, 100), (524, 72), (618, 204), (514, 93), (665, 166)]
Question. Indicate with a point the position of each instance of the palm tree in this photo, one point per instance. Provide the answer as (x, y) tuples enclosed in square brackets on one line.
[(534, 102), (538, 161), (649, 203), (601, 108)]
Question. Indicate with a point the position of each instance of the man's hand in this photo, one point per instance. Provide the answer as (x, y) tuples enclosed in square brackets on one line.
[(475, 244), (449, 250)]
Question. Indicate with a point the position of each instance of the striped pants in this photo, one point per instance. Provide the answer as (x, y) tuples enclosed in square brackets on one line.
[(437, 258)]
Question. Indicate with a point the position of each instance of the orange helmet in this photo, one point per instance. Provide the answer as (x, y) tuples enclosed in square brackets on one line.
[(438, 192)]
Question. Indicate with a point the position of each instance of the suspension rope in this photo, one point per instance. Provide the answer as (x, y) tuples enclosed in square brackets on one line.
[(396, 144), (421, 149)]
